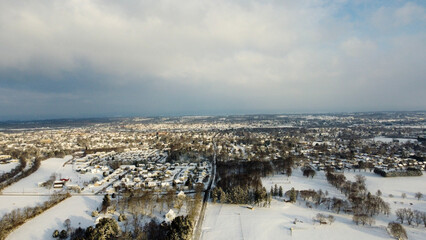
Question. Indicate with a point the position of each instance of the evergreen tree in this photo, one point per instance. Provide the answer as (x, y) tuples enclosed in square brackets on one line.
[(293, 195), (181, 228), (106, 202), (222, 196), (107, 228), (289, 171), (55, 233), (280, 191)]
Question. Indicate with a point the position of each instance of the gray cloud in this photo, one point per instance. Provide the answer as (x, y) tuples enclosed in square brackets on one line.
[(81, 58)]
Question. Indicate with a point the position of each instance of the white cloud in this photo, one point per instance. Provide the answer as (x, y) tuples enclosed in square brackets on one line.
[(273, 52)]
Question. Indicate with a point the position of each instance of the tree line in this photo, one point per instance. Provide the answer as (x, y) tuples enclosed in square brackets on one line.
[(181, 228), (410, 216), (23, 174), (240, 182), (17, 217), (364, 205), (14, 171)]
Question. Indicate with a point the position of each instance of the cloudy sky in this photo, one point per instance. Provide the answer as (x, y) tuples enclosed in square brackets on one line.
[(89, 58)]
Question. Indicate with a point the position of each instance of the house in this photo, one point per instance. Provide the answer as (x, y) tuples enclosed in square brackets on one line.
[(170, 215), (151, 184), (58, 184), (4, 158)]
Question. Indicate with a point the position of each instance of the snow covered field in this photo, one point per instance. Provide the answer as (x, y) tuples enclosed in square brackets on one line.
[(77, 208), (389, 140), (397, 186), (300, 182), (226, 221), (9, 203), (4, 168), (30, 183), (392, 185)]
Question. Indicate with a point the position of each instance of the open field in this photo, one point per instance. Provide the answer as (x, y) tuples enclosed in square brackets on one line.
[(226, 221), (9, 203), (397, 186), (299, 182), (57, 166), (30, 183), (4, 168), (77, 208)]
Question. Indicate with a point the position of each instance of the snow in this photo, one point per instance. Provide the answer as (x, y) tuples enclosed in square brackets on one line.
[(4, 168), (300, 182), (57, 166), (77, 208), (30, 183), (230, 221), (389, 140), (238, 222), (397, 186), (391, 185), (9, 203)]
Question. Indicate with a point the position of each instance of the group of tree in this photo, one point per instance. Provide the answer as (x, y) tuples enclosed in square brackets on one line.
[(410, 216), (283, 165), (364, 204), (319, 198), (106, 202), (308, 171), (49, 183), (292, 195), (410, 172), (23, 174), (276, 191), (17, 217), (137, 204), (240, 182), (180, 228), (362, 218), (242, 195), (322, 219), (14, 171), (105, 229)]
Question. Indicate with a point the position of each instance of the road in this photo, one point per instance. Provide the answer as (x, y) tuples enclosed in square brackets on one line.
[(198, 228)]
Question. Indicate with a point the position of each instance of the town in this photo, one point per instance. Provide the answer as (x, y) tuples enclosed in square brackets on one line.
[(183, 165)]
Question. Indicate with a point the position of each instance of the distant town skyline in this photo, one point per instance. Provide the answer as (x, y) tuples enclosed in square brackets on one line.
[(84, 59)]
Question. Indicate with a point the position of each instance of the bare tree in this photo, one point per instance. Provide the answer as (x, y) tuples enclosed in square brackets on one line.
[(418, 217), (67, 224), (400, 215), (409, 215)]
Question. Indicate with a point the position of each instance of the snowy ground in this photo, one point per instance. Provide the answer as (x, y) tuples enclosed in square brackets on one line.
[(225, 221), (9, 203), (77, 208), (11, 200), (299, 182), (4, 168), (392, 185), (389, 140), (238, 222), (30, 183), (397, 186)]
